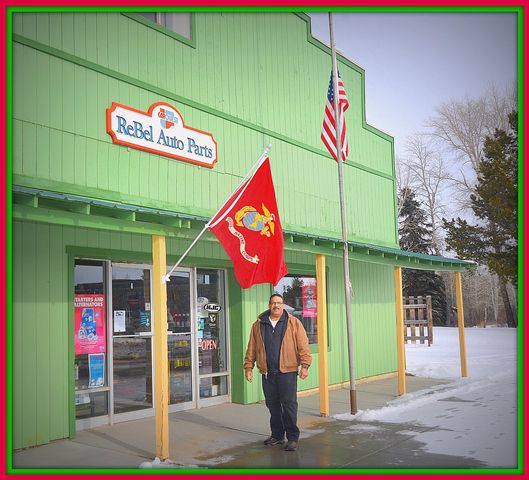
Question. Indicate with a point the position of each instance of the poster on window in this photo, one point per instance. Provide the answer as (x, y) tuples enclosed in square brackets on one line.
[(90, 334), (308, 295), (96, 369)]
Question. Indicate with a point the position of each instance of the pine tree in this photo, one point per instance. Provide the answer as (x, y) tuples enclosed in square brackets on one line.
[(416, 235), (494, 240)]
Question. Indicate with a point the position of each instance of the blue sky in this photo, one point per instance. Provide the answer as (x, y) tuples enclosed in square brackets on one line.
[(415, 61)]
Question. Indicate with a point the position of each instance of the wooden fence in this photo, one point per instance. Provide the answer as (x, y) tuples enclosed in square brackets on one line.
[(418, 317)]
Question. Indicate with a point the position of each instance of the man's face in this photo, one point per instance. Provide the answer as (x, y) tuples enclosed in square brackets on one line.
[(276, 306)]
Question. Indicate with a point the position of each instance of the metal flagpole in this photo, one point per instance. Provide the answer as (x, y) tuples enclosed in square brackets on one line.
[(166, 278), (347, 281)]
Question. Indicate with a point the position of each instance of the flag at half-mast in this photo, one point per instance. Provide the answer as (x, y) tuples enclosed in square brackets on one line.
[(328, 130), (249, 229)]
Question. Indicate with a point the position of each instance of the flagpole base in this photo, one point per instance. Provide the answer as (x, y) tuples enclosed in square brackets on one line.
[(354, 406)]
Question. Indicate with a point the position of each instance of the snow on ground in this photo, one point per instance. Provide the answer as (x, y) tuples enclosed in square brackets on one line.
[(473, 417)]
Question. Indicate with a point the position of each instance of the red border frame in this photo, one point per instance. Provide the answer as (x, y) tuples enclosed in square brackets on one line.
[(111, 132)]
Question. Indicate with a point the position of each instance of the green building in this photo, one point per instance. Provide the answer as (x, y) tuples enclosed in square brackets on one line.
[(91, 187)]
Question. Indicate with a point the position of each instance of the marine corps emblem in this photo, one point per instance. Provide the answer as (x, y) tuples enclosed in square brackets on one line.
[(248, 217), (253, 220)]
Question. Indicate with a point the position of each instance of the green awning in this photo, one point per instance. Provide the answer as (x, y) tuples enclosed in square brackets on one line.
[(62, 208)]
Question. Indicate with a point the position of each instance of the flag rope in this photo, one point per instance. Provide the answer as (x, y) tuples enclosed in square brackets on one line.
[(261, 159)]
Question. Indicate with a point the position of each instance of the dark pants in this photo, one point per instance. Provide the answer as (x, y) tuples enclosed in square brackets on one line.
[(280, 392)]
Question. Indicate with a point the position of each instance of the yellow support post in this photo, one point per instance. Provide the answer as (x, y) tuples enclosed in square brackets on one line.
[(161, 379), (321, 301), (461, 324), (401, 353)]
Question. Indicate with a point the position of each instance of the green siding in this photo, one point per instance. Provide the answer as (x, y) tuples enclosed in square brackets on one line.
[(373, 314), (40, 342), (238, 339), (250, 75)]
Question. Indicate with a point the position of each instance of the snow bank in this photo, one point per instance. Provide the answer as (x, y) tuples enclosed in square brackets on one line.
[(474, 416)]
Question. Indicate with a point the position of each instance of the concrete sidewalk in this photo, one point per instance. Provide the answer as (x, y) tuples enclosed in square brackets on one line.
[(231, 436)]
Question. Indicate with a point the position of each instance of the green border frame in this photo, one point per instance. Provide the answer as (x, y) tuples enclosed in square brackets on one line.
[(521, 212), (9, 249), (373, 9)]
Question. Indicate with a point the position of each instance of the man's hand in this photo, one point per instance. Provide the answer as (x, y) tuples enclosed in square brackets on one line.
[(249, 375), (303, 373)]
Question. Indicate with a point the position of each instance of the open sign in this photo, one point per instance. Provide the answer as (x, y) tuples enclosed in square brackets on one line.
[(212, 307)]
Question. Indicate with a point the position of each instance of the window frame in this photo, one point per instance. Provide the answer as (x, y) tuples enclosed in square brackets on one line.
[(160, 28), (303, 271)]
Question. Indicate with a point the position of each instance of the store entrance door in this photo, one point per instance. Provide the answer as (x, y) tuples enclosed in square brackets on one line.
[(180, 341), (197, 340), (132, 356)]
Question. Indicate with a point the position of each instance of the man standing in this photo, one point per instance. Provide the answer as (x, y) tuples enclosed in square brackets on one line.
[(279, 345)]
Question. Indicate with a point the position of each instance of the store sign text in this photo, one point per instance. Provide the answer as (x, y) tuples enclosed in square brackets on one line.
[(208, 344), (161, 130), (212, 307)]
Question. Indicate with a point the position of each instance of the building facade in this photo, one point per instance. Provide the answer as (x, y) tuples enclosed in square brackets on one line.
[(128, 125)]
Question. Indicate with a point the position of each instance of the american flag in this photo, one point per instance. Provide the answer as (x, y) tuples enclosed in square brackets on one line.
[(328, 130)]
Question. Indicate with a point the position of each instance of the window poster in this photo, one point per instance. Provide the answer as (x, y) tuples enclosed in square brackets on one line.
[(90, 336), (308, 295), (119, 321), (96, 369)]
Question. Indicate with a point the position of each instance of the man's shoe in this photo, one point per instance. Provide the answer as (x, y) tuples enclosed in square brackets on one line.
[(271, 441), (291, 446)]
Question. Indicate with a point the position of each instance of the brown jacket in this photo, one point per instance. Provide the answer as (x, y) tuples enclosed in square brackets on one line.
[(294, 349)]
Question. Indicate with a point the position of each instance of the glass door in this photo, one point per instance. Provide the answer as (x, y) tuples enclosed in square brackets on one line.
[(197, 340), (180, 335), (132, 340), (212, 337)]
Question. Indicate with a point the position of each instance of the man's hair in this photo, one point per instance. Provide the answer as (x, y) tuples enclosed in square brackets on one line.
[(275, 295)]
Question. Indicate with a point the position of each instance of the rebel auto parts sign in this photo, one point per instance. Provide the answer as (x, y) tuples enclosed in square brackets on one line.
[(161, 130)]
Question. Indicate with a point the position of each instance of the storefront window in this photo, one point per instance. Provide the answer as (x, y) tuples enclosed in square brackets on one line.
[(300, 298), (91, 383), (213, 386), (212, 355), (178, 22), (131, 300), (132, 374), (211, 333)]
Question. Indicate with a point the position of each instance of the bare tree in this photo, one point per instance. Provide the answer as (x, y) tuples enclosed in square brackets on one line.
[(482, 298), (404, 182), (494, 296), (461, 126), (500, 103), (446, 157), (427, 172)]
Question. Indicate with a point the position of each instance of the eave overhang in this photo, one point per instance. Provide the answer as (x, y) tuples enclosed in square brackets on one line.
[(36, 205)]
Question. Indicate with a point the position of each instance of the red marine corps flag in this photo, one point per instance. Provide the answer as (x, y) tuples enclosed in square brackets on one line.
[(249, 229)]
